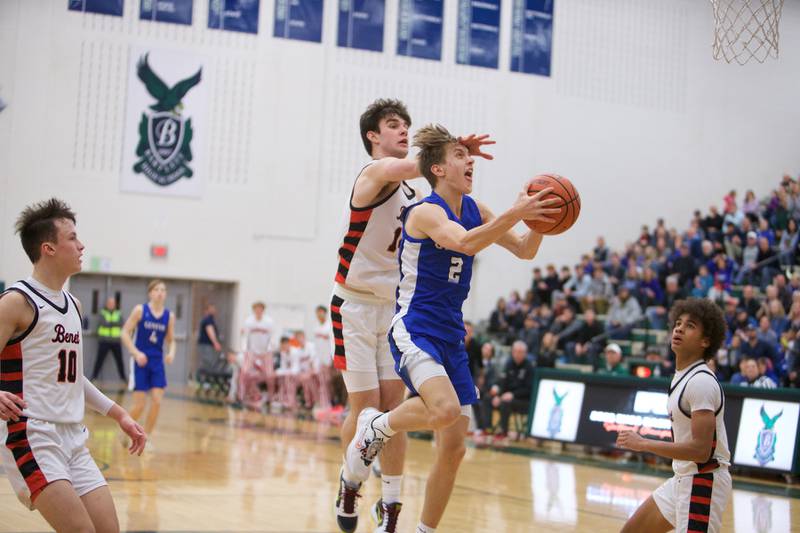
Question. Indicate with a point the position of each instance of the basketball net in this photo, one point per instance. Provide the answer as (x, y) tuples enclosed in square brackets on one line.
[(746, 29)]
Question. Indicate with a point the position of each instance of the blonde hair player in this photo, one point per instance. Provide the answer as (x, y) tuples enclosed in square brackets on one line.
[(363, 299), (43, 391), (695, 497), (440, 237), (154, 326)]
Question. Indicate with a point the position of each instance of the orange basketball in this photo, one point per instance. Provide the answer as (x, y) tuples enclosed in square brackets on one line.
[(570, 204)]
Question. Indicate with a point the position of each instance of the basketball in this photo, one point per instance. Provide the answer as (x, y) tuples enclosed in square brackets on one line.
[(570, 204)]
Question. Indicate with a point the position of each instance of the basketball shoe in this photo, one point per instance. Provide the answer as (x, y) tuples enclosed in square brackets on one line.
[(385, 516), (366, 444), (347, 506)]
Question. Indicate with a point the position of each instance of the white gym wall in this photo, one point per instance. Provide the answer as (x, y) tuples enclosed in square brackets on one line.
[(636, 113)]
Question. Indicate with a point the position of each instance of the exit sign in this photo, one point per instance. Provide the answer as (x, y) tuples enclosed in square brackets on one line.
[(159, 251)]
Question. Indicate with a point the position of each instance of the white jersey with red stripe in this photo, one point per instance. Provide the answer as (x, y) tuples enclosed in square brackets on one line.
[(368, 249), (258, 334), (323, 344), (44, 364), (693, 389)]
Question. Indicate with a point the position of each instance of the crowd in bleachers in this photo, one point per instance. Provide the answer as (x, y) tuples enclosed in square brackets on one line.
[(743, 256)]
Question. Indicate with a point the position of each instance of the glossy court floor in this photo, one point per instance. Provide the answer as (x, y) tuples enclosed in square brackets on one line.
[(215, 469)]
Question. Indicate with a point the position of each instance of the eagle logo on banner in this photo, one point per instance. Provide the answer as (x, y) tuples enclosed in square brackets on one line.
[(767, 438), (165, 135)]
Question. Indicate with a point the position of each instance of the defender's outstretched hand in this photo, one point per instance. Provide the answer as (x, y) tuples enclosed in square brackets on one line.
[(475, 142)]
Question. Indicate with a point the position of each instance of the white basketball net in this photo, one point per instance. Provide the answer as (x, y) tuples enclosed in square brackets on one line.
[(746, 29)]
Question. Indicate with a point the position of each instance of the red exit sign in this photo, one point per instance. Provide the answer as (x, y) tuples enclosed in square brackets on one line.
[(159, 251)]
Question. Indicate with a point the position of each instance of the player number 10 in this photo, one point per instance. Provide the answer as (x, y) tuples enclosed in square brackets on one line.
[(67, 366)]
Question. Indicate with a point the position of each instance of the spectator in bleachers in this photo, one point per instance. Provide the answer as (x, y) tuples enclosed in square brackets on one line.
[(632, 278), (623, 315), (541, 292), (582, 349), (600, 252), (552, 280), (650, 291), (473, 348), (791, 343), (612, 362), (657, 314), (749, 259), (752, 377), (707, 254), (548, 351), (776, 317), (532, 334), (711, 224), (712, 365), (732, 244), (765, 231), (615, 270), (784, 294), (498, 321), (750, 206), (729, 313), (793, 197), (721, 268), (599, 292), (749, 302), (766, 333), (756, 348), (766, 266), (794, 312), (487, 379), (703, 282), (788, 244), (743, 321), (512, 393), (683, 265), (771, 294), (730, 200)]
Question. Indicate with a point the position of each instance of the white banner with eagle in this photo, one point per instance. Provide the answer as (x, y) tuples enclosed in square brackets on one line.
[(166, 123)]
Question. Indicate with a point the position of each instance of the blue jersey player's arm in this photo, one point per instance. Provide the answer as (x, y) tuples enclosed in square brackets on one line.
[(169, 339), (126, 335), (524, 246), (430, 221)]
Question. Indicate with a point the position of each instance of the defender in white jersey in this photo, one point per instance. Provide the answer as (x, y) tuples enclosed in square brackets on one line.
[(363, 299), (694, 499), (42, 387), (363, 296)]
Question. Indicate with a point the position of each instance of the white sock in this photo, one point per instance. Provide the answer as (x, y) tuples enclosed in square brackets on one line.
[(382, 423), (390, 488), (348, 476), (422, 528)]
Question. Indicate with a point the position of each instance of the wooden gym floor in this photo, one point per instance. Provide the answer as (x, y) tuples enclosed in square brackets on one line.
[(215, 469)]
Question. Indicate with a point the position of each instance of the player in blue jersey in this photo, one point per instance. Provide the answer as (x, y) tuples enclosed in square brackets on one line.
[(154, 326), (441, 234)]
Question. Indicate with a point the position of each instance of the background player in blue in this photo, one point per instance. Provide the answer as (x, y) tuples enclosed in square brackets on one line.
[(153, 325), (440, 236)]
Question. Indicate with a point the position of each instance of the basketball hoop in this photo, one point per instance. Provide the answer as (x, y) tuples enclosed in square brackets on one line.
[(746, 29)]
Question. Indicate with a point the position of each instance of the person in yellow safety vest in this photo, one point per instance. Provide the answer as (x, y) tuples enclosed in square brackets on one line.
[(108, 338)]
